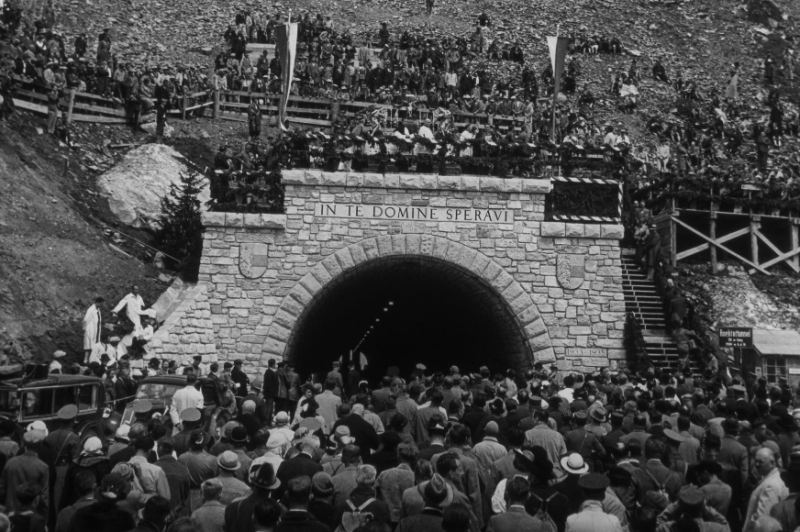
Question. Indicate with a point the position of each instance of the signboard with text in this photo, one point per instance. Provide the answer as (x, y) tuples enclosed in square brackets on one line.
[(415, 214), (736, 337)]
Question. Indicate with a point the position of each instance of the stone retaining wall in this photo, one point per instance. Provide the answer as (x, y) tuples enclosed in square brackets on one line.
[(562, 281)]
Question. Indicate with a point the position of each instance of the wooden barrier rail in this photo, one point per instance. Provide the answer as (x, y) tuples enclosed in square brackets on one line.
[(319, 113)]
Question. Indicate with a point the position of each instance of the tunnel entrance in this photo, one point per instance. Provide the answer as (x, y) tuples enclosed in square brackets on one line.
[(403, 310)]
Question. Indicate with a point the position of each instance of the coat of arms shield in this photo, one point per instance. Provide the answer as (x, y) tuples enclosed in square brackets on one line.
[(253, 260), (570, 271)]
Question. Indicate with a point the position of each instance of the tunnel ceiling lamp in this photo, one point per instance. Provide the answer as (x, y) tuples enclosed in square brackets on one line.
[(371, 327), (391, 303), (377, 319), (386, 309)]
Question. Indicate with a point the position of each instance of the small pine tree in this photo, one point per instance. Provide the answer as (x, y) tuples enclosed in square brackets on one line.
[(181, 233)]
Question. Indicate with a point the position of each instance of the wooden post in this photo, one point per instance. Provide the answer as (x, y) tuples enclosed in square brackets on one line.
[(335, 105), (673, 239), (70, 105), (215, 109), (754, 225), (712, 233), (795, 240)]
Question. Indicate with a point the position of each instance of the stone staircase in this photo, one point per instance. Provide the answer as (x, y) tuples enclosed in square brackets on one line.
[(642, 299)]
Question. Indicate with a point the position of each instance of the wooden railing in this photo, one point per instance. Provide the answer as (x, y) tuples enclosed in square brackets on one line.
[(317, 113)]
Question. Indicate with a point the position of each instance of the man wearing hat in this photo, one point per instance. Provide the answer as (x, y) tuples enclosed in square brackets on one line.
[(582, 441), (232, 487), (105, 514), (190, 420), (591, 517), (240, 378), (60, 448), (437, 495), (201, 465), (692, 507), (239, 440), (717, 493), (264, 482), (731, 451), (26, 468), (436, 432)]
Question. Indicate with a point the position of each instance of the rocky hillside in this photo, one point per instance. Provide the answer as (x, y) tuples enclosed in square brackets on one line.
[(59, 247)]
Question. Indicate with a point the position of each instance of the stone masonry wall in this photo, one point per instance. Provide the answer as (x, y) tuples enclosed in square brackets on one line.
[(579, 325)]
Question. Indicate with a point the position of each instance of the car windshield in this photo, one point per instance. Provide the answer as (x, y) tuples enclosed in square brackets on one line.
[(156, 391)]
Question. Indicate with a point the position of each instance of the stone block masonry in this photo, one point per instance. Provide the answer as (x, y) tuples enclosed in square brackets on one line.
[(561, 281)]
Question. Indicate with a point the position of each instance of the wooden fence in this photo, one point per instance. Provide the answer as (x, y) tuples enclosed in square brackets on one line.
[(316, 113)]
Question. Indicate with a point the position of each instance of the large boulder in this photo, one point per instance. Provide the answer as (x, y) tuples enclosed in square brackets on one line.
[(134, 187)]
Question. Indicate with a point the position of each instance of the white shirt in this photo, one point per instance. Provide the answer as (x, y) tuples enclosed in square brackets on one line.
[(566, 393), (186, 397), (281, 437), (133, 308), (425, 131), (610, 139)]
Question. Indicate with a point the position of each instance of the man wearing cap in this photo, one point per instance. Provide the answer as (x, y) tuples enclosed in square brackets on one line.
[(591, 517), (691, 509), (59, 449), (232, 487), (190, 421), (201, 466), (187, 397), (26, 467), (437, 495)]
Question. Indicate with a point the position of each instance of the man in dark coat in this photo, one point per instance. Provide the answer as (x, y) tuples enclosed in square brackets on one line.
[(238, 514), (301, 465), (178, 477), (437, 495), (298, 519), (271, 387), (240, 378), (360, 429), (104, 514)]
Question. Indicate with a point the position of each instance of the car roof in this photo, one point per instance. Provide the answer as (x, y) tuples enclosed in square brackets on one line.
[(164, 379), (54, 379)]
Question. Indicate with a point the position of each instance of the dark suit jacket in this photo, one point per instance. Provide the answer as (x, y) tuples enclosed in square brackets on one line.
[(362, 431), (179, 484), (300, 521), (516, 519), (429, 520), (300, 465)]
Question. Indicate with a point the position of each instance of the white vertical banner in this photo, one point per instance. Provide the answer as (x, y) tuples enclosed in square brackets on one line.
[(286, 47)]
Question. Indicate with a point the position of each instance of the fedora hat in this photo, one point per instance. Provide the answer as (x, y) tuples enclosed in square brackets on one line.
[(573, 463), (263, 476), (229, 461), (436, 492)]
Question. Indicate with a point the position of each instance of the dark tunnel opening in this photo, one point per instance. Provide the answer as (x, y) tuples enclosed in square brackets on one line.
[(400, 311)]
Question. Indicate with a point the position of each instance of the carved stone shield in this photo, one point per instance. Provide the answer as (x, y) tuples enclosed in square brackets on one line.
[(570, 271), (253, 260)]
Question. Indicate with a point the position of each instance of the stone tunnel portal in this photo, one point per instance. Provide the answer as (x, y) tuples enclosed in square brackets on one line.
[(403, 310)]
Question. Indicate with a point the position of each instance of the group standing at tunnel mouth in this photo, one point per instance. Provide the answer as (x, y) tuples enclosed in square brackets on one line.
[(542, 450)]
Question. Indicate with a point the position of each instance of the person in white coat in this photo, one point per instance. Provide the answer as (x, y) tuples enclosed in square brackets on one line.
[(92, 323), (134, 308)]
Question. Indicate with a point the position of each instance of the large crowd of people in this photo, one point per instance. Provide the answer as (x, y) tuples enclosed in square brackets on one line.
[(548, 451)]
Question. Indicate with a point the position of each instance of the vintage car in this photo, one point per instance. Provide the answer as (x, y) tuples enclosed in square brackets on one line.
[(159, 389), (37, 396)]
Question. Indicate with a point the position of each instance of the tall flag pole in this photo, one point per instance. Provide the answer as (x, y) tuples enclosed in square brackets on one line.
[(286, 47), (558, 53)]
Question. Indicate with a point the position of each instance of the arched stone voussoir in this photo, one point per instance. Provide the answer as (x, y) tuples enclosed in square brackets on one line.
[(472, 262)]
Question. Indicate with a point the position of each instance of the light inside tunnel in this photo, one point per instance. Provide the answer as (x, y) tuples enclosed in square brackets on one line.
[(400, 311)]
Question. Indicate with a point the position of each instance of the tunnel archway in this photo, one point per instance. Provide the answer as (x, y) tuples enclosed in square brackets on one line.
[(449, 305)]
